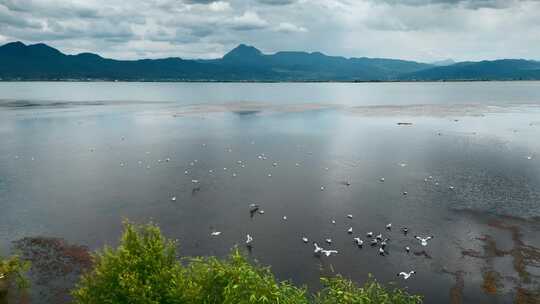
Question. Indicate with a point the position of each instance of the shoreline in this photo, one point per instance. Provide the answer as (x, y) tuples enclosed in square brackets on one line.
[(267, 81)]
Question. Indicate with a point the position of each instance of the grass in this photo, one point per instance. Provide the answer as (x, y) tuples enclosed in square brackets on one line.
[(144, 268)]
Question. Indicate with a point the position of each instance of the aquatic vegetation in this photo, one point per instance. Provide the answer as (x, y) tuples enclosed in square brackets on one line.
[(144, 268)]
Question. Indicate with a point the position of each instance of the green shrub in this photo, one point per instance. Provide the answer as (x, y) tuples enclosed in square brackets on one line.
[(236, 281), (13, 268), (144, 269), (340, 291)]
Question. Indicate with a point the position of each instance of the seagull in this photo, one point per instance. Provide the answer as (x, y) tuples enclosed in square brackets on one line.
[(274, 164), (349, 231), (317, 248), (322, 188), (215, 233), (195, 181), (373, 242), (253, 207), (408, 249), (305, 239), (405, 193), (369, 234), (405, 230), (358, 241), (2, 276), (333, 222), (381, 251), (249, 240), (186, 172), (261, 211), (406, 275), (451, 187), (328, 241), (269, 174), (349, 216), (173, 198), (347, 183), (389, 226), (529, 157), (423, 240), (328, 252), (234, 175), (382, 179), (379, 237), (284, 217), (297, 164), (383, 244)]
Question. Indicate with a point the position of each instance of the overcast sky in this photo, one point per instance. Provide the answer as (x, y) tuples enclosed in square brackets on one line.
[(423, 30)]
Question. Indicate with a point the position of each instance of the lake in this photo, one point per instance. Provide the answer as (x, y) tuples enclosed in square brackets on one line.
[(459, 161)]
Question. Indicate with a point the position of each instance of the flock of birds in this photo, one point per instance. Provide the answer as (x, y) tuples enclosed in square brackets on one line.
[(374, 240), (377, 241)]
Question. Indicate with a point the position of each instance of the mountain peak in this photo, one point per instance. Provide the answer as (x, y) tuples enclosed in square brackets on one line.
[(243, 51), (13, 45)]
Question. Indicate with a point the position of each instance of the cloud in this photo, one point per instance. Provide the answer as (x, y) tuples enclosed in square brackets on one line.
[(277, 2), (287, 27), (471, 4), (424, 30), (247, 22)]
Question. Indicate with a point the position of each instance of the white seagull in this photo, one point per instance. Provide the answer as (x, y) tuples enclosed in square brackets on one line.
[(389, 226), (423, 240), (329, 241), (173, 198), (305, 239), (369, 234), (318, 249), (349, 216), (328, 252), (358, 241), (215, 233), (249, 240), (381, 251), (349, 231), (406, 275)]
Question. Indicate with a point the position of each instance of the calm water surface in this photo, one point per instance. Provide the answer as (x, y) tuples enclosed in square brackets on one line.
[(77, 158)]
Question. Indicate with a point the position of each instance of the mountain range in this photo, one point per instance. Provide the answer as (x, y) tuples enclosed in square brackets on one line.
[(246, 63)]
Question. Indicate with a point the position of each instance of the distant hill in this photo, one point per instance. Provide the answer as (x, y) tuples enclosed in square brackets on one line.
[(505, 69), (244, 63), (444, 62)]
